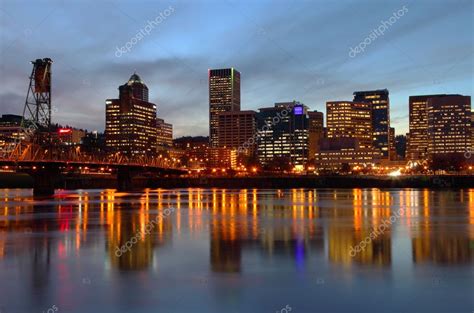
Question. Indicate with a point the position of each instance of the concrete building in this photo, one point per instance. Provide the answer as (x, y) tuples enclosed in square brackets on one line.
[(283, 133), (316, 132), (164, 134), (380, 105), (237, 131), (347, 119), (449, 124), (224, 96), (131, 120)]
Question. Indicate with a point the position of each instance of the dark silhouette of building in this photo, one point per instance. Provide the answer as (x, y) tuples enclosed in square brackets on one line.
[(316, 132), (401, 146)]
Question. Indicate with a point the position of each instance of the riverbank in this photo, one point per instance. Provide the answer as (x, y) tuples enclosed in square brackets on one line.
[(14, 180), (270, 182)]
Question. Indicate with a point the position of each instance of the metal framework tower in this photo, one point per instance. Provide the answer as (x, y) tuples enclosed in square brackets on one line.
[(37, 110)]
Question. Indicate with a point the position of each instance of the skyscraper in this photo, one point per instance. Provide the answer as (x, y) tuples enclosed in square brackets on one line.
[(418, 117), (449, 124), (282, 133), (349, 143), (347, 119), (316, 132), (380, 105), (130, 126), (224, 96), (438, 125)]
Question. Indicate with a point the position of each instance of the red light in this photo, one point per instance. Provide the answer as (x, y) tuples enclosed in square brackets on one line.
[(65, 130)]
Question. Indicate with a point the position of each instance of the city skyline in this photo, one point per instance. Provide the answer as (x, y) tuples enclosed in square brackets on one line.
[(272, 70)]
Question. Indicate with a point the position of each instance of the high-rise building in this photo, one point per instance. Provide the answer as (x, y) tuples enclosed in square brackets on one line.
[(449, 124), (316, 132), (401, 146), (164, 134), (349, 141), (418, 117), (347, 119), (224, 96), (282, 133), (391, 145), (237, 131), (130, 126), (380, 105)]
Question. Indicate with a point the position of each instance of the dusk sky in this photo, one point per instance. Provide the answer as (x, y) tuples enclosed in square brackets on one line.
[(285, 50)]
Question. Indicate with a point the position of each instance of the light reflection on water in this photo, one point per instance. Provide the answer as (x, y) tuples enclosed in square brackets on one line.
[(237, 251)]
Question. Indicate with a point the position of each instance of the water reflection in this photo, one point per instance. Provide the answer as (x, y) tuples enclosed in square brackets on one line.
[(288, 222), (242, 230)]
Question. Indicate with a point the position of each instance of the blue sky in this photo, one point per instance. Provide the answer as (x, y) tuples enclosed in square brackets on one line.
[(285, 50)]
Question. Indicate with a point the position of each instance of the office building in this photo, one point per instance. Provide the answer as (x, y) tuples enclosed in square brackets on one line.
[(391, 140), (164, 134), (380, 105), (338, 153), (316, 132), (283, 133), (449, 124), (349, 141), (70, 136), (418, 124), (131, 120), (222, 158), (224, 96), (237, 131), (347, 119)]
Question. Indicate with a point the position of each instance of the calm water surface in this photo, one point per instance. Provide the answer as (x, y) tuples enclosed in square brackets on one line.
[(214, 250)]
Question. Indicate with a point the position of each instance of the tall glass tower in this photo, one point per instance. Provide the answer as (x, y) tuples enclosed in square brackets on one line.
[(224, 96), (380, 106)]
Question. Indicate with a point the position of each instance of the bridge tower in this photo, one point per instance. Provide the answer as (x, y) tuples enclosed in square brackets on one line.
[(37, 109)]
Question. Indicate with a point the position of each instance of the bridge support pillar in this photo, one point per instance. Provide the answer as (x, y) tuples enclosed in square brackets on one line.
[(45, 180), (124, 179)]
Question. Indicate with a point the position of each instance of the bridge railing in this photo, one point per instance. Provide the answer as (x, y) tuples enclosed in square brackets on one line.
[(29, 152)]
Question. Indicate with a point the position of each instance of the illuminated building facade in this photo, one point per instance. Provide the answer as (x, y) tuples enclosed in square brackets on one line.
[(10, 129), (164, 133), (391, 140), (449, 124), (316, 132), (380, 105), (131, 120), (418, 114), (70, 136), (283, 133), (224, 96), (335, 153), (438, 125), (196, 150), (347, 119), (237, 131), (222, 158)]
